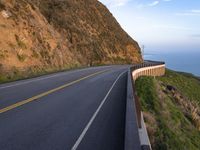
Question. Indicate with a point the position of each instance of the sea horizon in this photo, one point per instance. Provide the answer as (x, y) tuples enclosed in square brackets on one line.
[(182, 62)]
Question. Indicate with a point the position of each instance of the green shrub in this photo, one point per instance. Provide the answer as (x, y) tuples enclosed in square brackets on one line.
[(145, 88), (21, 57), (35, 54), (2, 56)]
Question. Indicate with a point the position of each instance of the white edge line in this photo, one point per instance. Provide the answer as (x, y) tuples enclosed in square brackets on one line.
[(43, 78), (94, 115)]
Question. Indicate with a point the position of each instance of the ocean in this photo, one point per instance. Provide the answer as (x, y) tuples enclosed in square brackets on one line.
[(178, 61)]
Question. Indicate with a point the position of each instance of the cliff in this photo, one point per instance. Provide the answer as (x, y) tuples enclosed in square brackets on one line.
[(58, 34)]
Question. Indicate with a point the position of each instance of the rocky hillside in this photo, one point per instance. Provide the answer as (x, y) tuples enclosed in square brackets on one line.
[(171, 106), (57, 34)]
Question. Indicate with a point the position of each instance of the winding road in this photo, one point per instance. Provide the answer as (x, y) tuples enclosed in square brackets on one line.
[(81, 109)]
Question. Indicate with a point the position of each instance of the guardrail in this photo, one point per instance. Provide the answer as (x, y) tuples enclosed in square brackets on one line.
[(132, 140), (149, 68), (136, 137)]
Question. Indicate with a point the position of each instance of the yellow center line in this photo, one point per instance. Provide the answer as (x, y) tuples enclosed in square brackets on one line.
[(23, 102)]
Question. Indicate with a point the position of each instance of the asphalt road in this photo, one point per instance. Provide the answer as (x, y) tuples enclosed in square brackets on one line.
[(81, 109)]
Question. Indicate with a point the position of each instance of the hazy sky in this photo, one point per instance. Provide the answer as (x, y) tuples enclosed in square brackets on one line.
[(160, 25)]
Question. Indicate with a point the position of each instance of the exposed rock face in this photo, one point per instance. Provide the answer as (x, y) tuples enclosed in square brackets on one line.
[(40, 34)]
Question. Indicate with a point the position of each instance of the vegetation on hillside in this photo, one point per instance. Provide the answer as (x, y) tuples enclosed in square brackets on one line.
[(41, 34), (171, 106)]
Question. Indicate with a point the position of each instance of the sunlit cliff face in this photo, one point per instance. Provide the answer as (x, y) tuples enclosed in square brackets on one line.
[(60, 34)]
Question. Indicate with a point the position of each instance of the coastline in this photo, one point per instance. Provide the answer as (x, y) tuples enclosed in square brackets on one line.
[(181, 62)]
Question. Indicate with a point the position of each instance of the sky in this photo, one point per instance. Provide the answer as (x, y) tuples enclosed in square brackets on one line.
[(160, 25)]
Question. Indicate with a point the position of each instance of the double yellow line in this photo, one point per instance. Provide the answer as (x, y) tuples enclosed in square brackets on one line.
[(23, 102)]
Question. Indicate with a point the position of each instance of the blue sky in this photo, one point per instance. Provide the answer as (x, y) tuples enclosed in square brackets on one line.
[(160, 25)]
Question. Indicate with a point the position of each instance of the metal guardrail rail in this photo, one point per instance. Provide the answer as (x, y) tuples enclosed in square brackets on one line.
[(132, 139)]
